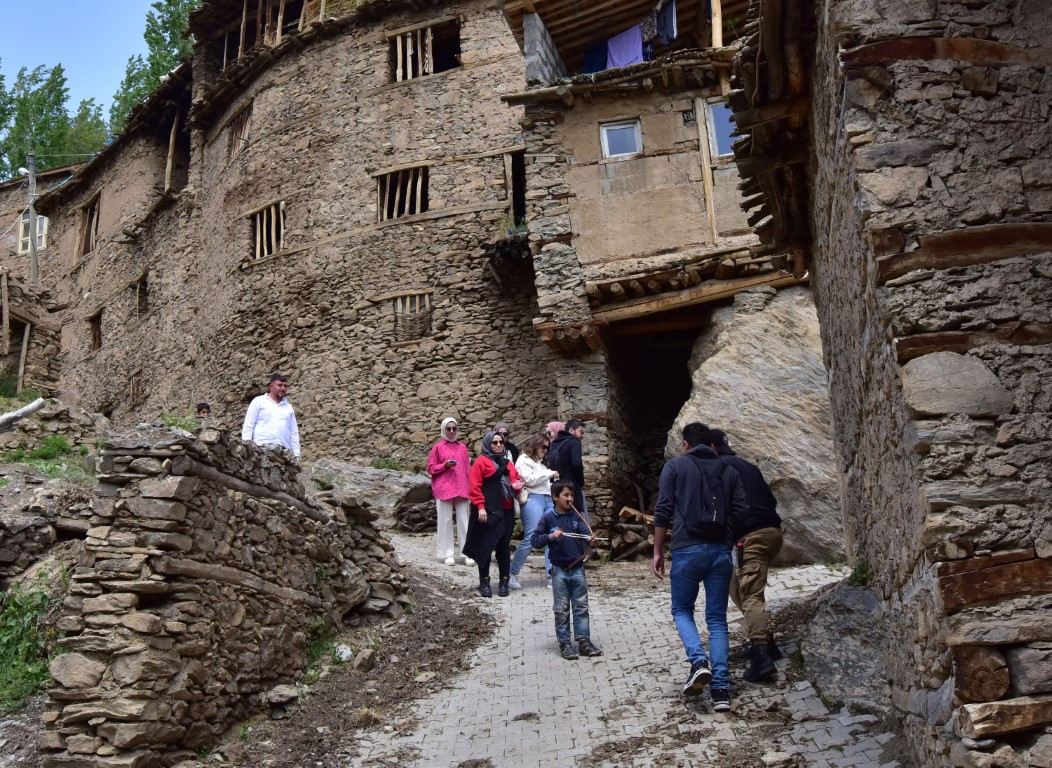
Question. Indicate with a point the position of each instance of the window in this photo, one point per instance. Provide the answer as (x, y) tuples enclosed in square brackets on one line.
[(720, 128), (401, 193), (89, 226), (268, 230), (239, 131), (424, 50), (95, 331), (621, 139), (141, 295), (136, 390), (23, 233), (412, 316)]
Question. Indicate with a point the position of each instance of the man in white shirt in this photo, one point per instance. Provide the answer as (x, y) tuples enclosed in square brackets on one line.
[(270, 419)]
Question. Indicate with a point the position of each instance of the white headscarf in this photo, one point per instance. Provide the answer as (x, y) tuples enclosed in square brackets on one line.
[(446, 421)]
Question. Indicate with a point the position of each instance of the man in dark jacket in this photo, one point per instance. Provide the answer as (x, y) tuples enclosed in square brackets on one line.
[(759, 537), (564, 456), (701, 498)]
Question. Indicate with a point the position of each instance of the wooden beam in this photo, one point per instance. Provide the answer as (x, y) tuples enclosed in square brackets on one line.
[(702, 119), (979, 673), (168, 166), (971, 245), (1033, 577), (980, 721), (5, 298), (772, 112), (696, 294), (983, 53), (22, 357), (717, 24), (909, 347)]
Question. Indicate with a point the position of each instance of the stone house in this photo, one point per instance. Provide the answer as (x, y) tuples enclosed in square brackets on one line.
[(14, 217), (339, 193)]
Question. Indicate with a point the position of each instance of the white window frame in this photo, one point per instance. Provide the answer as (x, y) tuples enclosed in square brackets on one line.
[(23, 233), (710, 126), (604, 128)]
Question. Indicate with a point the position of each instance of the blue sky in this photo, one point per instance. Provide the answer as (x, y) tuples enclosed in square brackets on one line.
[(91, 39)]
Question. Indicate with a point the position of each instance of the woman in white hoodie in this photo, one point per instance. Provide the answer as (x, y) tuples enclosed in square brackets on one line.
[(537, 479)]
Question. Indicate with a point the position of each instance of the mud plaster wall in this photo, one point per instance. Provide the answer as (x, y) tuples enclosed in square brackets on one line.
[(203, 570), (13, 200), (322, 122), (945, 458)]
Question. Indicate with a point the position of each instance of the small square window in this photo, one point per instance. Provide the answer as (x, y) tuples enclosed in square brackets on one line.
[(89, 226), (268, 230), (720, 128), (412, 316), (402, 193), (621, 139), (140, 290), (425, 51), (95, 331), (239, 132)]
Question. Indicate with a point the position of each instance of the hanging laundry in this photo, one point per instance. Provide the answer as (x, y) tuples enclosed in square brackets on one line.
[(625, 49), (648, 26), (594, 57), (667, 30)]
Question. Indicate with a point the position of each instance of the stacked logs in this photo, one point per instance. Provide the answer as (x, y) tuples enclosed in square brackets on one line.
[(632, 535)]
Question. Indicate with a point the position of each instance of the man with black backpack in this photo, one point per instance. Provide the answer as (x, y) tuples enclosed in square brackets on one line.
[(564, 456), (700, 497)]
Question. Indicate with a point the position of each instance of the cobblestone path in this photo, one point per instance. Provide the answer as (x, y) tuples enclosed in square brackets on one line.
[(520, 704)]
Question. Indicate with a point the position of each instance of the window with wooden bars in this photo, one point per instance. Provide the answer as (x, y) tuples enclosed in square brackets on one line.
[(239, 131), (136, 390), (268, 230), (95, 331), (412, 316), (425, 50), (89, 226), (140, 290), (401, 193), (23, 233)]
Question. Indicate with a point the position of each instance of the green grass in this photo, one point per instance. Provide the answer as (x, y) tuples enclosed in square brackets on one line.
[(26, 644), (384, 462), (180, 421), (51, 458)]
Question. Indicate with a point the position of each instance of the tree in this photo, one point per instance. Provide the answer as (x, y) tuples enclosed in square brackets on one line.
[(37, 120), (87, 130), (166, 47)]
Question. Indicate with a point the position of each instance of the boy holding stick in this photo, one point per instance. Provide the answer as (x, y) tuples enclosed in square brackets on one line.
[(568, 537)]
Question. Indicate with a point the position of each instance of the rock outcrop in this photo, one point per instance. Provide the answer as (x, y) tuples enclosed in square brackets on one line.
[(757, 374)]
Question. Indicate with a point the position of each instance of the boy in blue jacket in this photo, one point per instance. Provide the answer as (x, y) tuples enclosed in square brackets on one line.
[(567, 553)]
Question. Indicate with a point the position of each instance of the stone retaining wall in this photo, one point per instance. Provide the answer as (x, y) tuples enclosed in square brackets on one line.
[(205, 572)]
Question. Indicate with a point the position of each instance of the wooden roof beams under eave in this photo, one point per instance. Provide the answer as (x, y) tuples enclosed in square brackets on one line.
[(771, 112), (576, 24)]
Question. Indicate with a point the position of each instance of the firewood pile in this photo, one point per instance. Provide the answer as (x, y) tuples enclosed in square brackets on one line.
[(632, 535)]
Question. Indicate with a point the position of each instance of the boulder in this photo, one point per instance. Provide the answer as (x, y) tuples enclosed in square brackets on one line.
[(946, 382), (381, 489), (757, 373)]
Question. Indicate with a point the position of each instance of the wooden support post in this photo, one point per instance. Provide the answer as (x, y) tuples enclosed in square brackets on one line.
[(171, 154), (22, 359), (419, 190), (717, 24), (398, 58), (259, 23), (281, 22), (429, 51), (244, 28), (5, 298), (702, 115), (226, 40)]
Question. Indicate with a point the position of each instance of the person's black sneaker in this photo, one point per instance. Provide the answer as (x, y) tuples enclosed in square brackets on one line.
[(699, 677), (773, 650), (586, 648), (760, 665), (502, 588), (567, 651), (721, 700), (484, 588)]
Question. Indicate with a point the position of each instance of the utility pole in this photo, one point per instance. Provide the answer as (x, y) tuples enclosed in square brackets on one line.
[(34, 268)]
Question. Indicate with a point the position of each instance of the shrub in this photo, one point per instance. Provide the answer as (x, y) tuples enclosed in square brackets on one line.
[(26, 644), (51, 447)]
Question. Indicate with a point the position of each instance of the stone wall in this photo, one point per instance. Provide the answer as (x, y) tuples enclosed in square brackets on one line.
[(43, 364), (757, 374), (205, 571), (543, 62), (932, 275)]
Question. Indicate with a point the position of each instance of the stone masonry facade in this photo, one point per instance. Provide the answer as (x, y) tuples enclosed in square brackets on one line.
[(205, 572), (932, 266)]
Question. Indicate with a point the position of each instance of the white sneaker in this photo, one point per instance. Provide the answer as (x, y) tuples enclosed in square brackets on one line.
[(469, 562), (513, 583), (548, 582), (450, 561)]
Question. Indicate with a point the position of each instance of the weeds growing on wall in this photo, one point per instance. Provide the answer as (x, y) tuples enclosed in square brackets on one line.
[(26, 643), (51, 457), (859, 576), (180, 421)]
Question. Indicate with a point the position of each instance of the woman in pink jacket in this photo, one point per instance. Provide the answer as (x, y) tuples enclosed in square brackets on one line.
[(449, 465)]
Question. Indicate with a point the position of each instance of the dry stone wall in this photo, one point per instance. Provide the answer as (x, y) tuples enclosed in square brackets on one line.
[(932, 278), (205, 571)]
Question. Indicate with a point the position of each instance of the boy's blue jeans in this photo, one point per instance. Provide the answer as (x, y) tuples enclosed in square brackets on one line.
[(532, 511), (570, 592), (711, 565)]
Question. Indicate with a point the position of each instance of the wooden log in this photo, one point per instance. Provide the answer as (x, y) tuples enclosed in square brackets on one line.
[(701, 113), (565, 94), (693, 276), (244, 28), (971, 245), (170, 163), (25, 410), (979, 673), (636, 287), (591, 337), (5, 300), (1014, 332), (1032, 576), (25, 352), (616, 290), (643, 547), (653, 286), (726, 269), (717, 23), (983, 53), (592, 289), (980, 721), (799, 262)]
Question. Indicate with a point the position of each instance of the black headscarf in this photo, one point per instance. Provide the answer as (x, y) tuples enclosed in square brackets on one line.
[(500, 461)]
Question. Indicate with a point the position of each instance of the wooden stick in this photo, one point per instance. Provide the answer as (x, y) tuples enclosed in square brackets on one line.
[(22, 358), (701, 113), (244, 28), (398, 58), (717, 24), (4, 297), (281, 21), (171, 154), (25, 410)]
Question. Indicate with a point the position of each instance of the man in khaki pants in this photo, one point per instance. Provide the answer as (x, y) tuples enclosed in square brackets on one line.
[(759, 539)]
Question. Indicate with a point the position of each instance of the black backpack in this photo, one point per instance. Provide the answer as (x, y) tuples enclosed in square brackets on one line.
[(714, 506), (554, 460)]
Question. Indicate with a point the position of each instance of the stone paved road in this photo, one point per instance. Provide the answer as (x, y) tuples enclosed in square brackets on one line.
[(522, 705)]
